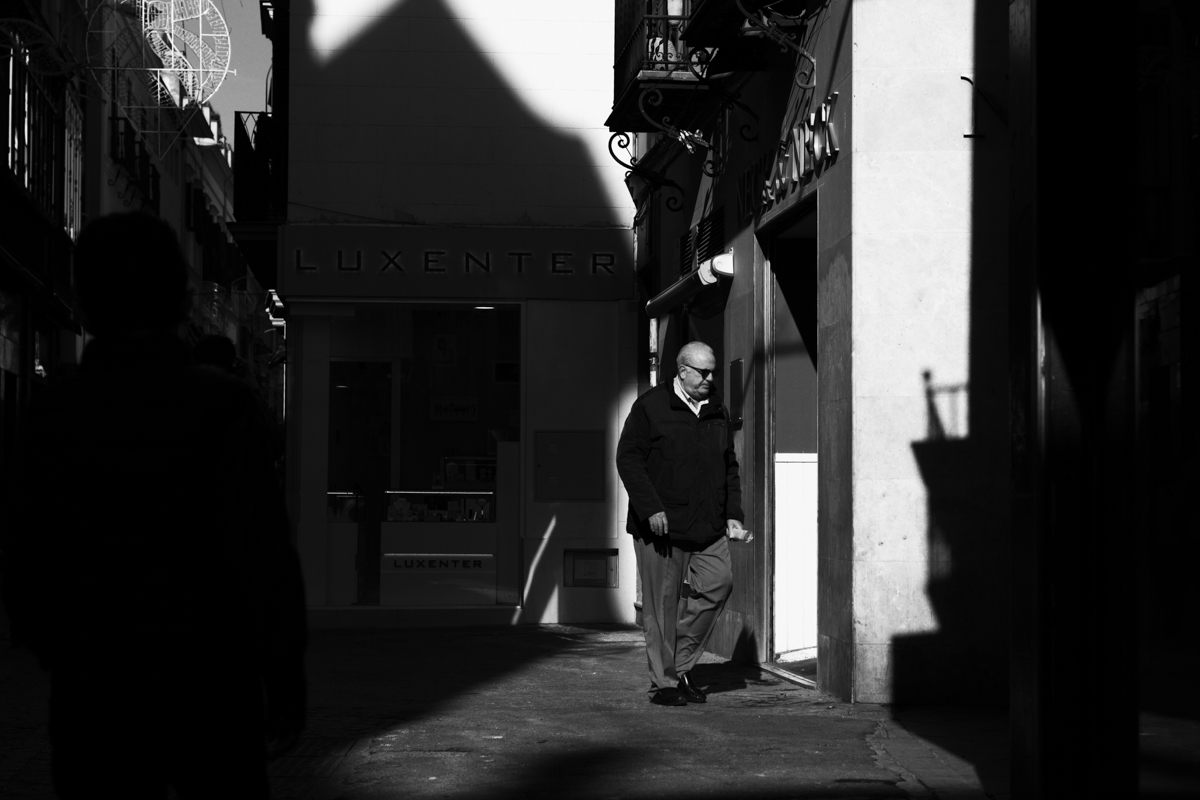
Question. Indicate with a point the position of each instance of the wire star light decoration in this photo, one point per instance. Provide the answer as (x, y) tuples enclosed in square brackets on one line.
[(159, 61)]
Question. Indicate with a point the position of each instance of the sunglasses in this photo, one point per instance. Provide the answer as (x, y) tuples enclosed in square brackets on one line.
[(705, 374)]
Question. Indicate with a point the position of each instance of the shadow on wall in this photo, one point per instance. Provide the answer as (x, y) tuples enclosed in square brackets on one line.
[(411, 124), (964, 462), (965, 661), (964, 458)]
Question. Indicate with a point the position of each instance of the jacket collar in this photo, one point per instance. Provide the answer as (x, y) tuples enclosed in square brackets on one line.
[(713, 406)]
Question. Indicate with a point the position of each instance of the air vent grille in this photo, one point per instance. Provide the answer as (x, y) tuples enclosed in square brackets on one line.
[(702, 242)]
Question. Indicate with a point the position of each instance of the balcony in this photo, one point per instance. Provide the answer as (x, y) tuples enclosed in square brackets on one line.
[(659, 79)]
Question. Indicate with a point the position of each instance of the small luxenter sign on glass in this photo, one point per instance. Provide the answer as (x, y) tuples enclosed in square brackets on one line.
[(438, 562)]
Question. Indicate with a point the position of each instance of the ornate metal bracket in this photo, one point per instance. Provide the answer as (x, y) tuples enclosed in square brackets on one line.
[(698, 59), (690, 139), (654, 180), (770, 25), (748, 131)]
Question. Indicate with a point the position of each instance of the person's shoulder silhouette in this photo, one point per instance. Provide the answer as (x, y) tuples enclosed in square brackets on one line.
[(150, 560)]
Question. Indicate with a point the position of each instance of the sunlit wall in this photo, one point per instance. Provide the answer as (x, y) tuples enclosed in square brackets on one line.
[(929, 345), (453, 111)]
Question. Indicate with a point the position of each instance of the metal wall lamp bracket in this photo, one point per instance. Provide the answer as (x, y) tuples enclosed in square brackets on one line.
[(690, 139), (719, 266), (771, 25), (748, 131), (694, 140)]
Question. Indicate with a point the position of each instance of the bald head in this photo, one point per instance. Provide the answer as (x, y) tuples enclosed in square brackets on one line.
[(694, 365), (692, 350)]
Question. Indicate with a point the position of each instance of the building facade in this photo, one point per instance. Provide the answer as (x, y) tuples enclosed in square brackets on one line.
[(818, 192), (88, 134), (457, 268)]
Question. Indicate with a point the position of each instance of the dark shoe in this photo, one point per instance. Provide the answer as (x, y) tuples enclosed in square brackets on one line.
[(690, 690), (668, 697)]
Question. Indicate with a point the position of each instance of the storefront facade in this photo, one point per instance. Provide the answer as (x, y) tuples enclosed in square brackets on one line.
[(457, 395), (820, 199), (457, 269)]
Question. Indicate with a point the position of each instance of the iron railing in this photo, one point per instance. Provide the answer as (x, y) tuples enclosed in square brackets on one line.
[(648, 40)]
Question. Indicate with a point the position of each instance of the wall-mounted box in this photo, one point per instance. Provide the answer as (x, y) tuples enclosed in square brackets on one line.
[(596, 568)]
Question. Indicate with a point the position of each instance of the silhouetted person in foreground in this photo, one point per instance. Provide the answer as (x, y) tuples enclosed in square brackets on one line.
[(219, 353), (149, 565)]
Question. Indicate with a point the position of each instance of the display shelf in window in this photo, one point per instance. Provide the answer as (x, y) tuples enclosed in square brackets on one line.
[(439, 506), (343, 506), (469, 473)]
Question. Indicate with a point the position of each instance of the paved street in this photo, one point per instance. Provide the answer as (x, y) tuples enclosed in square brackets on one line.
[(559, 711)]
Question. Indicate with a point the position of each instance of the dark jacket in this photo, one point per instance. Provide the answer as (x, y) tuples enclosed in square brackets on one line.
[(672, 461), (147, 532)]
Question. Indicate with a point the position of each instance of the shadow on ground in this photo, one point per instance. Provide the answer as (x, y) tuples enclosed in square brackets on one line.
[(561, 711)]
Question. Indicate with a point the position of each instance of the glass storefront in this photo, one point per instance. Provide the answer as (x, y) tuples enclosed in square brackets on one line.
[(422, 399)]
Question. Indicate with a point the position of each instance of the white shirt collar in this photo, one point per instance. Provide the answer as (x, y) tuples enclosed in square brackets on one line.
[(693, 404)]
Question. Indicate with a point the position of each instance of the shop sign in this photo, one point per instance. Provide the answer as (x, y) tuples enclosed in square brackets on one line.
[(454, 409), (749, 186), (809, 148), (421, 562), (331, 261)]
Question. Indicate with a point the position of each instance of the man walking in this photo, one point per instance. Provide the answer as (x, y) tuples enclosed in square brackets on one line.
[(676, 459)]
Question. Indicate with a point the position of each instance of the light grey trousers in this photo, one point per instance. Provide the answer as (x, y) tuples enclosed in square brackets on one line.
[(677, 628)]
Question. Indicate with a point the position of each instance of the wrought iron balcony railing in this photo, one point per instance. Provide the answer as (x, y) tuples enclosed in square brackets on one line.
[(649, 43)]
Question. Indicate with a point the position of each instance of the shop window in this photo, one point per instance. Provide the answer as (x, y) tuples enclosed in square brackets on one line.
[(420, 397)]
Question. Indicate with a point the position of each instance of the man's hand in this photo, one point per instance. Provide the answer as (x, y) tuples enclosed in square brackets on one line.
[(738, 532), (658, 526)]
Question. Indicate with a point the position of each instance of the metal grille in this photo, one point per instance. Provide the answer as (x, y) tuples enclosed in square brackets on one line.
[(710, 235), (702, 242), (687, 252), (648, 38)]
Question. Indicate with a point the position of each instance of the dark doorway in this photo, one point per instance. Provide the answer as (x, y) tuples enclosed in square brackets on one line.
[(793, 437)]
